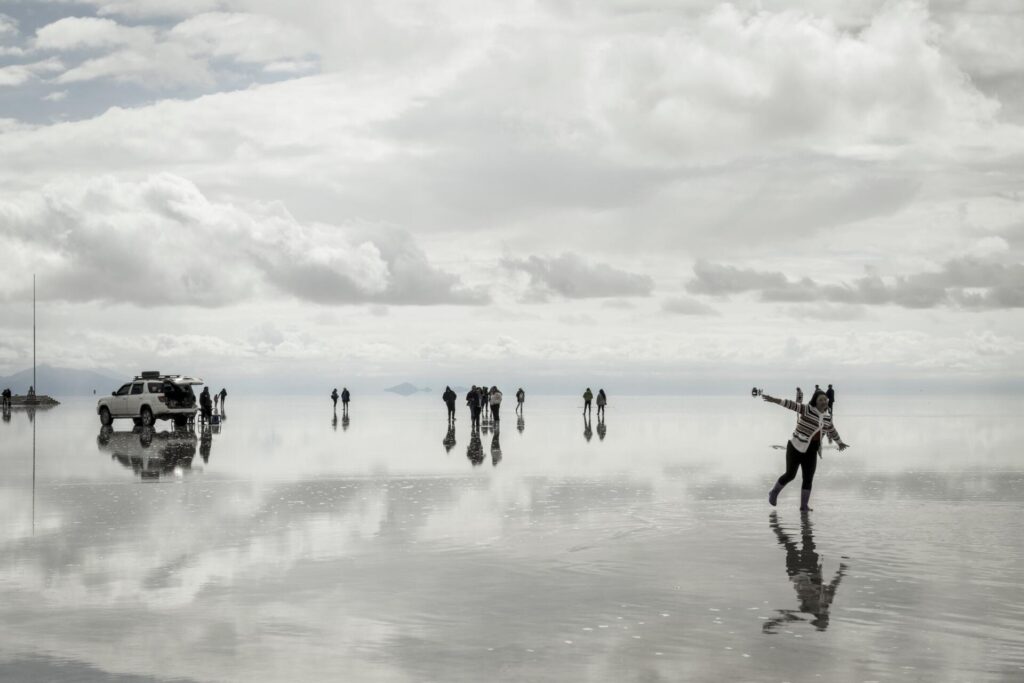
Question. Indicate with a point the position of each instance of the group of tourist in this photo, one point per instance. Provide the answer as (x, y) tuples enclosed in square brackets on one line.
[(208, 404), (346, 396)]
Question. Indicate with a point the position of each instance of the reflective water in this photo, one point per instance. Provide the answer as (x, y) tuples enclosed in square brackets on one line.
[(286, 545)]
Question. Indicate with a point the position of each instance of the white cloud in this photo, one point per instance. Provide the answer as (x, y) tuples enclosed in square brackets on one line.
[(76, 33), (8, 27), (685, 305), (115, 241), (249, 38), (19, 74), (57, 96), (572, 277)]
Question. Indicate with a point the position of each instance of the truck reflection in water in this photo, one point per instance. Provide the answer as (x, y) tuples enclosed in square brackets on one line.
[(155, 455)]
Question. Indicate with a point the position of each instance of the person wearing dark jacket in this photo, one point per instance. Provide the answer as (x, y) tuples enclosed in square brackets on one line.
[(520, 399), (602, 401), (831, 394), (7, 399), (206, 404), (449, 397), (473, 401), (334, 397), (588, 396), (223, 396), (345, 396), (813, 420)]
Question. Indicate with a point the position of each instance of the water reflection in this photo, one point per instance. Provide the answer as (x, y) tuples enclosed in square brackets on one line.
[(344, 422), (804, 567), (334, 421), (520, 424), (475, 449), (152, 454), (588, 433), (495, 448), (601, 428), (449, 439)]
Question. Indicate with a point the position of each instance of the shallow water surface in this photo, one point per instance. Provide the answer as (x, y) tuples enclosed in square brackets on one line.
[(287, 545)]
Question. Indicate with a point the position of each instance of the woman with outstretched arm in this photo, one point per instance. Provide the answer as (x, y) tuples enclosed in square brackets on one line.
[(813, 419)]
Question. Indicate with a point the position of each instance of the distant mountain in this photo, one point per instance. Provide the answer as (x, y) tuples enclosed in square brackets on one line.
[(58, 382), (406, 389)]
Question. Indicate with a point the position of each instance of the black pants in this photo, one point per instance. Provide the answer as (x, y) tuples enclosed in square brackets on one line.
[(806, 462), (586, 406), (451, 409), (474, 416), (495, 408)]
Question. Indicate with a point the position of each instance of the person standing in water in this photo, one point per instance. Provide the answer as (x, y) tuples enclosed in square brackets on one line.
[(802, 449), (588, 396), (602, 401), (223, 397), (449, 397), (334, 397), (520, 399), (473, 401), (345, 397), (495, 399)]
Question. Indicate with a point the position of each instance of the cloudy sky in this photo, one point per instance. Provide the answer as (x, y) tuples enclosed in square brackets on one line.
[(673, 195)]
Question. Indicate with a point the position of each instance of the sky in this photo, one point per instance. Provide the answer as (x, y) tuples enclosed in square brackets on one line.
[(664, 196)]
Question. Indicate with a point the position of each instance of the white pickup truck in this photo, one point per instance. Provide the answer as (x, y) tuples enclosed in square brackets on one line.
[(151, 397)]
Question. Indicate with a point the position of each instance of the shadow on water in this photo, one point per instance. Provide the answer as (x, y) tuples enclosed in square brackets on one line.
[(804, 567), (153, 455), (475, 449), (495, 448), (449, 439)]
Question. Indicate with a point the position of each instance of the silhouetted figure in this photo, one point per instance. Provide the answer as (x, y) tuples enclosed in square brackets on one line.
[(449, 439), (588, 396), (345, 398), (334, 398), (799, 395), (803, 565), (6, 399), (473, 401), (520, 400), (602, 401), (449, 397), (31, 394), (483, 398), (831, 394), (205, 405), (475, 450), (802, 450), (495, 399), (495, 449), (601, 429), (223, 397), (588, 433), (216, 401), (520, 424)]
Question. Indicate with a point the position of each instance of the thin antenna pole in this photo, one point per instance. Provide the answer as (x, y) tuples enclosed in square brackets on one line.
[(34, 334)]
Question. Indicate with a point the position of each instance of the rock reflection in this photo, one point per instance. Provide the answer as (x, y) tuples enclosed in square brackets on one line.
[(804, 567), (449, 439), (475, 449), (151, 454)]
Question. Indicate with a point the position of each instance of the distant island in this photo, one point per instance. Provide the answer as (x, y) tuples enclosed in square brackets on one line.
[(406, 389)]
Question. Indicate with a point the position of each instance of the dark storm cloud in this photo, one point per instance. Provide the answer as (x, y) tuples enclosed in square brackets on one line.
[(571, 277), (966, 282)]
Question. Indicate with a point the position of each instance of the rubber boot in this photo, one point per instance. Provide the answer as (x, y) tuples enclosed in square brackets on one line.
[(773, 495), (805, 497)]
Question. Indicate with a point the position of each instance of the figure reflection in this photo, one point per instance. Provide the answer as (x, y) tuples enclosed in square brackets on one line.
[(601, 428), (334, 422), (449, 438), (804, 566), (475, 450), (495, 449), (588, 433), (205, 444), (520, 424), (152, 454), (344, 422), (7, 414)]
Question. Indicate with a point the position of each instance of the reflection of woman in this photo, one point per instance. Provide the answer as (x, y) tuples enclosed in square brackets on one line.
[(803, 447), (804, 565)]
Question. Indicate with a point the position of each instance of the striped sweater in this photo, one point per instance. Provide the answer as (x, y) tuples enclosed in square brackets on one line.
[(808, 423)]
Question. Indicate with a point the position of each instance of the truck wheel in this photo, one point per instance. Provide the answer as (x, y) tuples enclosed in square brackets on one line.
[(105, 417), (147, 416)]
